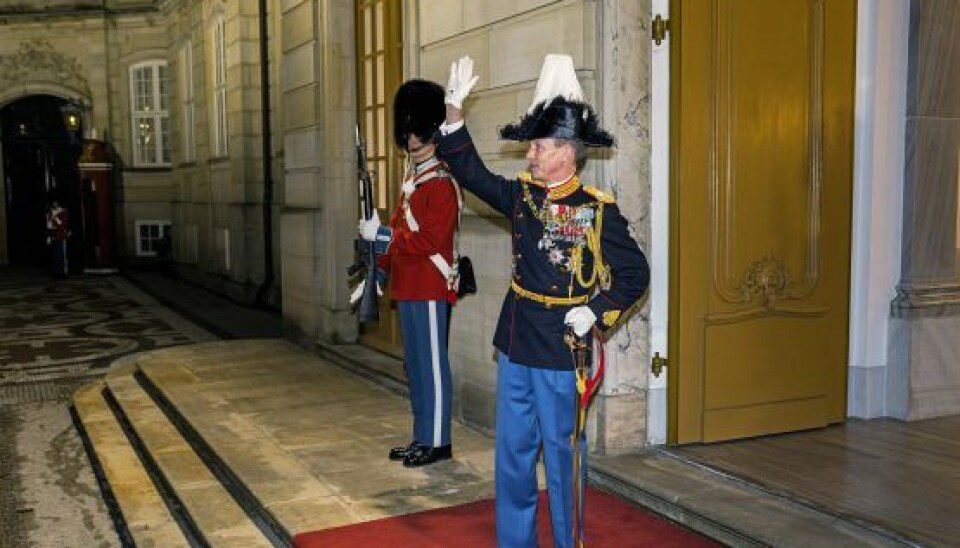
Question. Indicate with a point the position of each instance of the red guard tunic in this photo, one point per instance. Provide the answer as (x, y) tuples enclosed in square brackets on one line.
[(434, 208)]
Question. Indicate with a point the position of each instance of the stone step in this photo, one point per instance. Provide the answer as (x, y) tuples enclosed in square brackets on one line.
[(288, 494), (146, 519), (212, 510), (263, 431)]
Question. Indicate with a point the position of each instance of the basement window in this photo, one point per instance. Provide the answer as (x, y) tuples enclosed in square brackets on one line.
[(153, 238)]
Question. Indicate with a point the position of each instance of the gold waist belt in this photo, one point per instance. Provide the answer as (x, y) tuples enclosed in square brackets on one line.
[(547, 300)]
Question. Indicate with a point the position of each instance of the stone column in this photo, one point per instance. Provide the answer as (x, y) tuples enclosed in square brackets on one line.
[(925, 351), (318, 116), (623, 46)]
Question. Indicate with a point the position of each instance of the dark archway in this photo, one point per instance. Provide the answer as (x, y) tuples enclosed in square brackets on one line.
[(39, 166)]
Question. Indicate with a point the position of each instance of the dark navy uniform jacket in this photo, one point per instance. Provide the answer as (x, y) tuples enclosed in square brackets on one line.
[(530, 332)]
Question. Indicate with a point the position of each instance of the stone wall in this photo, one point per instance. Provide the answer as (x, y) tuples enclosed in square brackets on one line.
[(609, 43), (317, 88), (925, 352), (217, 202)]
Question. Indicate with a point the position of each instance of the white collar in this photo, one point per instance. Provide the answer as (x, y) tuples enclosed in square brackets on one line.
[(558, 183)]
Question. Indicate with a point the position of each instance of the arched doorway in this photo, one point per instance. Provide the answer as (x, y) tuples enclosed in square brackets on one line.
[(39, 166)]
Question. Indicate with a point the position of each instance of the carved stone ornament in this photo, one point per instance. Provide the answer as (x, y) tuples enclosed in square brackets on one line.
[(38, 61), (767, 279)]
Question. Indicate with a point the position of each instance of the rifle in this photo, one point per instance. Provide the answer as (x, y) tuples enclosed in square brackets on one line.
[(365, 258)]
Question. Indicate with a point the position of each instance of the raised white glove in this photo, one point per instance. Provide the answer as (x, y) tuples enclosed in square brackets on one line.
[(581, 319), (461, 81), (368, 227), (358, 292)]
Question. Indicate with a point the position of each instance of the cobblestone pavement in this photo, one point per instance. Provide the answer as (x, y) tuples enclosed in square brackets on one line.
[(56, 335)]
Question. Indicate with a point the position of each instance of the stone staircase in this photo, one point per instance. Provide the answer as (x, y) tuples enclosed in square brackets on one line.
[(240, 443)]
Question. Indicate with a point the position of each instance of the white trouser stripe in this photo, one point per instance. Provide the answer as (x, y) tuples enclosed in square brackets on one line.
[(435, 366)]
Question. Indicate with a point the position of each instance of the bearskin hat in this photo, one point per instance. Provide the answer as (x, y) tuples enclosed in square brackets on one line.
[(559, 109), (418, 109)]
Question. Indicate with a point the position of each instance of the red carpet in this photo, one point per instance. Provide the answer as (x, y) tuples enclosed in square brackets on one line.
[(611, 523)]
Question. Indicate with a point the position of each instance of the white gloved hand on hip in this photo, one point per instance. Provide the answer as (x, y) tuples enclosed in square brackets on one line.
[(461, 81), (368, 227), (581, 319)]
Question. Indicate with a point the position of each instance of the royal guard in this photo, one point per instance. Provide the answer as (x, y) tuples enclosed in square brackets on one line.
[(416, 253), (575, 268), (58, 232)]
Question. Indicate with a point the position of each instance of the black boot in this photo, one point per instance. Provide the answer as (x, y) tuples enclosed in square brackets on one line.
[(401, 453), (423, 455)]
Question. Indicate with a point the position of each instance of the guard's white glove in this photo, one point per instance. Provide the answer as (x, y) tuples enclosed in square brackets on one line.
[(358, 292), (461, 81), (581, 319), (368, 227)]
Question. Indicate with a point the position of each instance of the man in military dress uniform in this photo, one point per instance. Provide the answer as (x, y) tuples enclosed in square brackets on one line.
[(575, 266), (416, 252)]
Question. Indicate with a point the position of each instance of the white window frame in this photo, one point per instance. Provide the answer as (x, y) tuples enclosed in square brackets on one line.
[(150, 120), (219, 100), (188, 137), (143, 250)]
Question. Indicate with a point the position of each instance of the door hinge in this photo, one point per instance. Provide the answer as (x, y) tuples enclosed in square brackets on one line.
[(659, 28), (657, 364)]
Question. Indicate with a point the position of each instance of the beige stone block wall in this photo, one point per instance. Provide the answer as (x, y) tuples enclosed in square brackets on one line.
[(300, 259), (219, 200), (609, 42), (317, 86)]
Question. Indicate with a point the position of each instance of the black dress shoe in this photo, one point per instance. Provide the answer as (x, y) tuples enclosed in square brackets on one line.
[(400, 453), (423, 455)]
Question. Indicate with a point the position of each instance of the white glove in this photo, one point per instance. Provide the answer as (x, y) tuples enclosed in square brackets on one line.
[(581, 319), (368, 228), (461, 81), (358, 292)]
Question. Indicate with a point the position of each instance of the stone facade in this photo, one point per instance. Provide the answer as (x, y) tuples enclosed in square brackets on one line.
[(924, 379), (215, 203)]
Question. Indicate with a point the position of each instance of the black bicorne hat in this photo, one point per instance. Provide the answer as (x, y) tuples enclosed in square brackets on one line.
[(559, 119), (418, 109), (559, 109)]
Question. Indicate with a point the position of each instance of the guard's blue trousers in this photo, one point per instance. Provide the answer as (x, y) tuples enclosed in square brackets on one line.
[(534, 407), (423, 325)]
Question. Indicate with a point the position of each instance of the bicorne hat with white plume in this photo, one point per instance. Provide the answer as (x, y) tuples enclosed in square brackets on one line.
[(559, 109), (418, 109)]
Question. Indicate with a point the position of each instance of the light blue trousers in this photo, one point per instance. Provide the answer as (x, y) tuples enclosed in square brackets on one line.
[(535, 407)]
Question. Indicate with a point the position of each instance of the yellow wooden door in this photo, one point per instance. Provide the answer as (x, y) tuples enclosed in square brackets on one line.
[(762, 140)]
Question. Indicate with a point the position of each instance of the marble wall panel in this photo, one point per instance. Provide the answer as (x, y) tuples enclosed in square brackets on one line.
[(925, 379), (930, 198), (938, 59)]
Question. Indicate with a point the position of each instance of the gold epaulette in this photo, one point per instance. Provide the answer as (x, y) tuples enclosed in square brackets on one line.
[(600, 195)]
